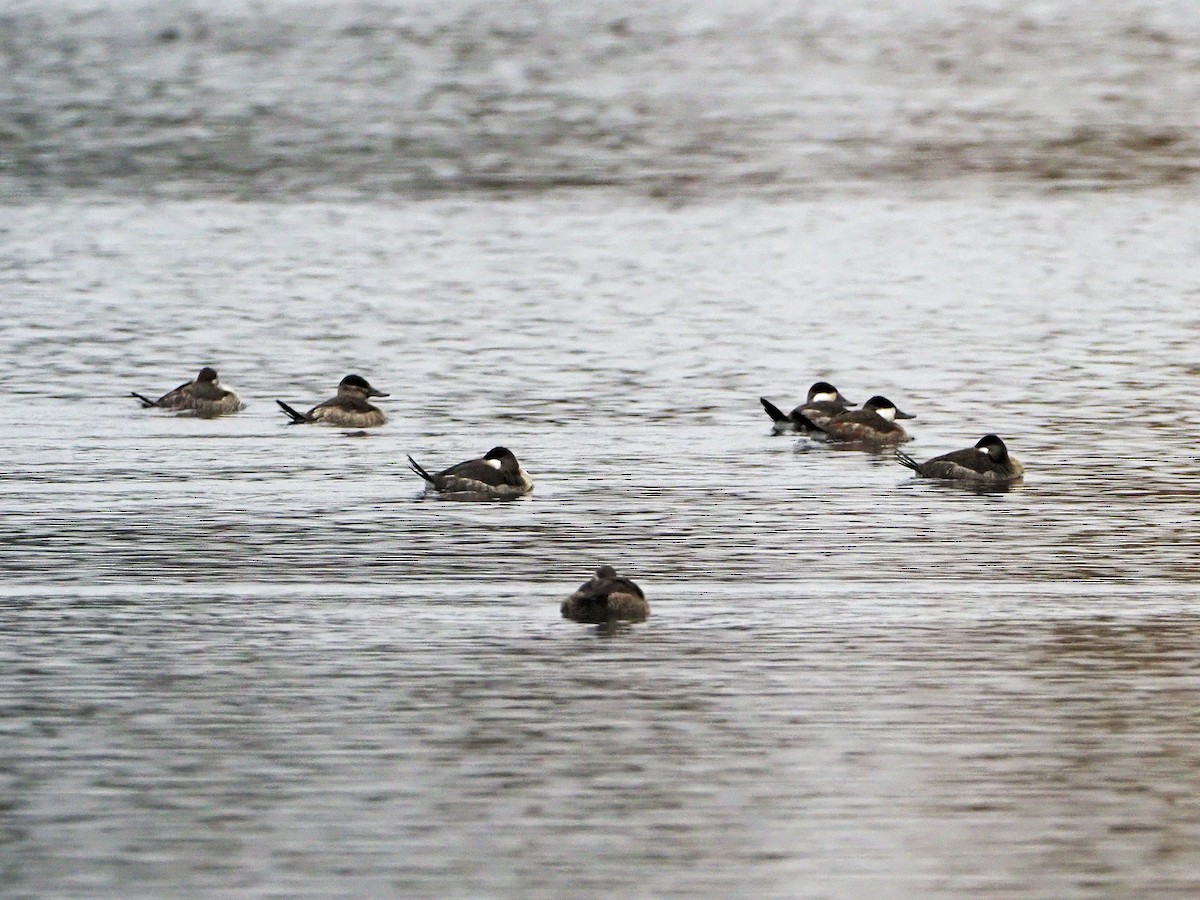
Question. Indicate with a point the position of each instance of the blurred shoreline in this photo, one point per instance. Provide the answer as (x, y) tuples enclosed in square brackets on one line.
[(320, 99)]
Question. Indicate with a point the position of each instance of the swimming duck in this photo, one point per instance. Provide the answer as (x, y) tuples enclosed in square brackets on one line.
[(823, 403), (874, 425), (495, 476), (349, 409), (607, 597), (204, 395), (987, 462)]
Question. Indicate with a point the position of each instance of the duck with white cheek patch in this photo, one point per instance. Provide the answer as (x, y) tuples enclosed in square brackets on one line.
[(872, 426), (823, 403), (494, 476), (988, 462)]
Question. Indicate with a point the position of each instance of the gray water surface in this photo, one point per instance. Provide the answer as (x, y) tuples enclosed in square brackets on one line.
[(242, 659), (287, 98)]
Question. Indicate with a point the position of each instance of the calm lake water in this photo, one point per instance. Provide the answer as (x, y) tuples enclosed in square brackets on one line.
[(242, 659)]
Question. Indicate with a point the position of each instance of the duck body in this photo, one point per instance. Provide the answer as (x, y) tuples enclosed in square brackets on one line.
[(497, 475), (823, 403), (988, 462), (606, 597), (350, 408), (872, 426), (205, 396)]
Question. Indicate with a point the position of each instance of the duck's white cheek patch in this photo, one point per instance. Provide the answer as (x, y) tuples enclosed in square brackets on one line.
[(494, 463), (824, 398)]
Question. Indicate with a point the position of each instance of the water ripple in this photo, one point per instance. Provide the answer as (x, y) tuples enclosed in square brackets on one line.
[(245, 658)]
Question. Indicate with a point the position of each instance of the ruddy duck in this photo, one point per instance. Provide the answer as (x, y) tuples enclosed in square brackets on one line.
[(987, 462), (495, 476), (349, 409), (606, 598), (204, 395), (823, 403), (874, 425)]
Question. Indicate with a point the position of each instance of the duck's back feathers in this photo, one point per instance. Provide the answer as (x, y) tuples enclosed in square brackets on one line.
[(814, 416), (863, 426), (474, 471), (179, 398), (606, 597), (347, 411), (872, 426)]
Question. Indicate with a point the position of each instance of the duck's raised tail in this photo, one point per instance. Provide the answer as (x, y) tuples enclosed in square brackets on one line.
[(776, 414), (145, 401), (907, 461), (298, 418), (416, 467)]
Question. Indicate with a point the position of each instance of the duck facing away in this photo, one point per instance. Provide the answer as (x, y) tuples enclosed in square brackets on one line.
[(823, 403), (349, 409), (495, 476), (204, 396), (872, 426), (606, 597), (988, 462)]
